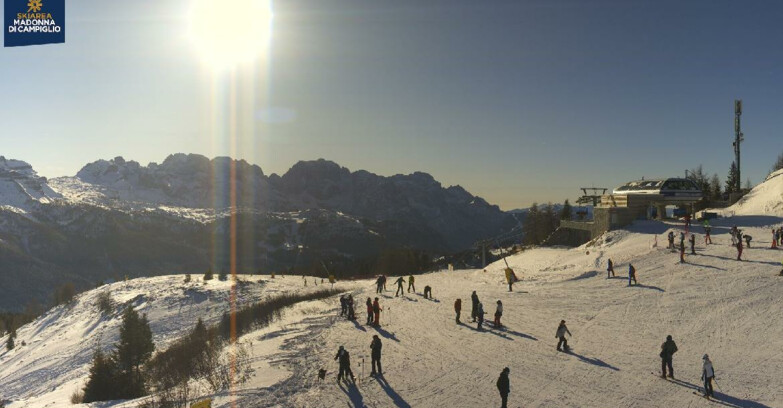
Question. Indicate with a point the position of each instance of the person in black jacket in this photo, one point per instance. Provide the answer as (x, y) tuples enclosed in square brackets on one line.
[(503, 387), (474, 307), (376, 346), (668, 348), (345, 364)]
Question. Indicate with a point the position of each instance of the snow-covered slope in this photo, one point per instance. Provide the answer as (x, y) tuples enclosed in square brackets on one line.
[(765, 199), (711, 304), (21, 188)]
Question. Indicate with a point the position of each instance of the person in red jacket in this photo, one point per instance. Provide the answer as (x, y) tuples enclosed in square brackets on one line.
[(458, 308), (376, 308)]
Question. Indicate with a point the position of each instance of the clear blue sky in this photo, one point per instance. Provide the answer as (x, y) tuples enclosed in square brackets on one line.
[(517, 101)]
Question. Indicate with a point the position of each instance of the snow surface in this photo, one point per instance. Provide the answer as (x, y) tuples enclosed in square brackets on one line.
[(766, 198)]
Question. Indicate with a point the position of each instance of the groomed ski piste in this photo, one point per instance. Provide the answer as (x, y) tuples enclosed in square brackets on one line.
[(710, 304)]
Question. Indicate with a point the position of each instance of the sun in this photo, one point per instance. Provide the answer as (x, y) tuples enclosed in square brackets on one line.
[(226, 33)]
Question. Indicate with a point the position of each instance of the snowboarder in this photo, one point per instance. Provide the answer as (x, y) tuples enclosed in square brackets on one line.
[(376, 309), (345, 365), (707, 375), (560, 334), (631, 275), (668, 348), (739, 249), (369, 311), (427, 292), (410, 284), (693, 244), (474, 306), (610, 269), (376, 346), (343, 305), (503, 387), (498, 314), (480, 315), (748, 238), (399, 283), (349, 303), (458, 308)]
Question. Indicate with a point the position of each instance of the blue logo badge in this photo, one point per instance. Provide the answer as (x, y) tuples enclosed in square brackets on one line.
[(32, 22)]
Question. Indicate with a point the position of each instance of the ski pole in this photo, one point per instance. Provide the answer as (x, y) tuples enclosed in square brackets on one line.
[(716, 383)]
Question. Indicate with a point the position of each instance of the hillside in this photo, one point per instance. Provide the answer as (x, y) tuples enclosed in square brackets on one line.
[(711, 304)]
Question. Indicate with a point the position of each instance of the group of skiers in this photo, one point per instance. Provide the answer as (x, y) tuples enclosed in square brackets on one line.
[(344, 358), (777, 237), (477, 311), (631, 272), (346, 307)]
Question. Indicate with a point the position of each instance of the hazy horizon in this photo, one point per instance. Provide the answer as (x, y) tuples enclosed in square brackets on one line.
[(517, 102)]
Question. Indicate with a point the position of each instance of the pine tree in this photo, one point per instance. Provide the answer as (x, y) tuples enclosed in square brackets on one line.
[(9, 344), (222, 276), (103, 379), (567, 212), (778, 164), (530, 225), (134, 349), (187, 278), (731, 180), (715, 193), (208, 275), (748, 184)]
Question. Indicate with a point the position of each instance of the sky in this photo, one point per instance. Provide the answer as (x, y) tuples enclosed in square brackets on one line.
[(518, 101)]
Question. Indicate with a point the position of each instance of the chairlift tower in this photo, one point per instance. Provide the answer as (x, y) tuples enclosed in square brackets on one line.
[(738, 138), (593, 198)]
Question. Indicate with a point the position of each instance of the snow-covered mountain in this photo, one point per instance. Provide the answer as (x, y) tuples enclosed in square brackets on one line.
[(118, 218)]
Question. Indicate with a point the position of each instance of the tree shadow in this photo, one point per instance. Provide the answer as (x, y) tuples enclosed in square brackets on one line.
[(721, 398), (386, 334), (594, 361), (353, 393), (396, 398)]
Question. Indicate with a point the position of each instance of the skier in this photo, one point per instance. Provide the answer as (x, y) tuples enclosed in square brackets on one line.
[(345, 364), (503, 387), (748, 238), (379, 284), (343, 305), (739, 250), (427, 292), (560, 334), (480, 315), (458, 308), (498, 314), (707, 229), (383, 282), (707, 374), (349, 303), (399, 283), (631, 275), (510, 278), (369, 311), (668, 348), (376, 346), (474, 306), (671, 240), (682, 251), (774, 239), (376, 309), (410, 284), (610, 269), (693, 244)]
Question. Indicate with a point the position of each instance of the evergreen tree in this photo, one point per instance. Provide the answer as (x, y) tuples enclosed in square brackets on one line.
[(715, 193), (133, 350), (567, 212), (208, 275), (222, 276), (748, 184), (778, 164), (9, 344), (103, 379), (530, 225), (187, 278), (731, 180), (549, 222), (700, 178)]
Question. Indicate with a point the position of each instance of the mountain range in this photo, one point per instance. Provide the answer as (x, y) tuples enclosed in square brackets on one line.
[(118, 218)]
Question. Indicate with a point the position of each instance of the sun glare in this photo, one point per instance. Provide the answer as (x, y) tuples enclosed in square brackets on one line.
[(229, 32)]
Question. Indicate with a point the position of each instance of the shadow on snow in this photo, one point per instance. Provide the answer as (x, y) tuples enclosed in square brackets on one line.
[(396, 398), (721, 398)]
